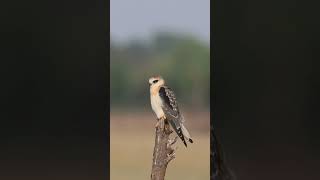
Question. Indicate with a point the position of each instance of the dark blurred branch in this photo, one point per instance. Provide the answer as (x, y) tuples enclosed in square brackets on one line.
[(219, 169), (163, 152)]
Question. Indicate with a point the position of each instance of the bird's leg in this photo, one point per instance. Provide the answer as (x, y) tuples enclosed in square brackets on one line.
[(157, 124), (160, 122)]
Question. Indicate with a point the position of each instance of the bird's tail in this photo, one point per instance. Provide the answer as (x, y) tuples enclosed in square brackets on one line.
[(185, 133)]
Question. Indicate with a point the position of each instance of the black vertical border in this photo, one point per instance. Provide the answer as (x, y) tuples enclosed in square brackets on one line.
[(54, 90), (106, 15), (267, 73)]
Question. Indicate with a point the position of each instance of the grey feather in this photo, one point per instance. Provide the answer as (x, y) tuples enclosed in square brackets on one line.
[(171, 110)]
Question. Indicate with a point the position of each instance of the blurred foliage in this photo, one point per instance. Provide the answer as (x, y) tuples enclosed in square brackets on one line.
[(182, 60)]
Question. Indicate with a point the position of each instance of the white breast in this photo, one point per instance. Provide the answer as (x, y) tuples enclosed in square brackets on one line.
[(156, 104)]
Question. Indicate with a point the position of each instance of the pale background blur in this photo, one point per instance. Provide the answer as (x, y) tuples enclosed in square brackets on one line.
[(171, 39)]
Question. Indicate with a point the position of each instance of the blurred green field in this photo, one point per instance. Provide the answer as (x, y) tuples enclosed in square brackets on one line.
[(132, 141)]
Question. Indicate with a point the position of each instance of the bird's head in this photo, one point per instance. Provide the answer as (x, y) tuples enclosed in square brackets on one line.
[(156, 81)]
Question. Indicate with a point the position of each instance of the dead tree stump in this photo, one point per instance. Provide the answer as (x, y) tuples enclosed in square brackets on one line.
[(163, 152)]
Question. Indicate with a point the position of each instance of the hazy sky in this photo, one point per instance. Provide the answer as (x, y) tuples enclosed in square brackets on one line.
[(139, 18)]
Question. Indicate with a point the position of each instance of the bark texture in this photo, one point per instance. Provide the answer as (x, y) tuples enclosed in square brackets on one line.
[(163, 152)]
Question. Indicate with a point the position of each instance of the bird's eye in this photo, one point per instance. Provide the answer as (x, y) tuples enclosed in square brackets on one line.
[(155, 81)]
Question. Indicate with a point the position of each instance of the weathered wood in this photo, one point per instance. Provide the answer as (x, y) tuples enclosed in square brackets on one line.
[(163, 152)]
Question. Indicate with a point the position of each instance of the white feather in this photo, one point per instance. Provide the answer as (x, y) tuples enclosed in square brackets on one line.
[(185, 132), (156, 104)]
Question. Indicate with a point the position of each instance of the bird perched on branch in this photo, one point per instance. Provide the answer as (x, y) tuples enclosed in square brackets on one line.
[(165, 106)]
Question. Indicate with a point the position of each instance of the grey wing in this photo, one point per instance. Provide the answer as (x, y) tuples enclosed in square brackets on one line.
[(171, 111), (169, 104)]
